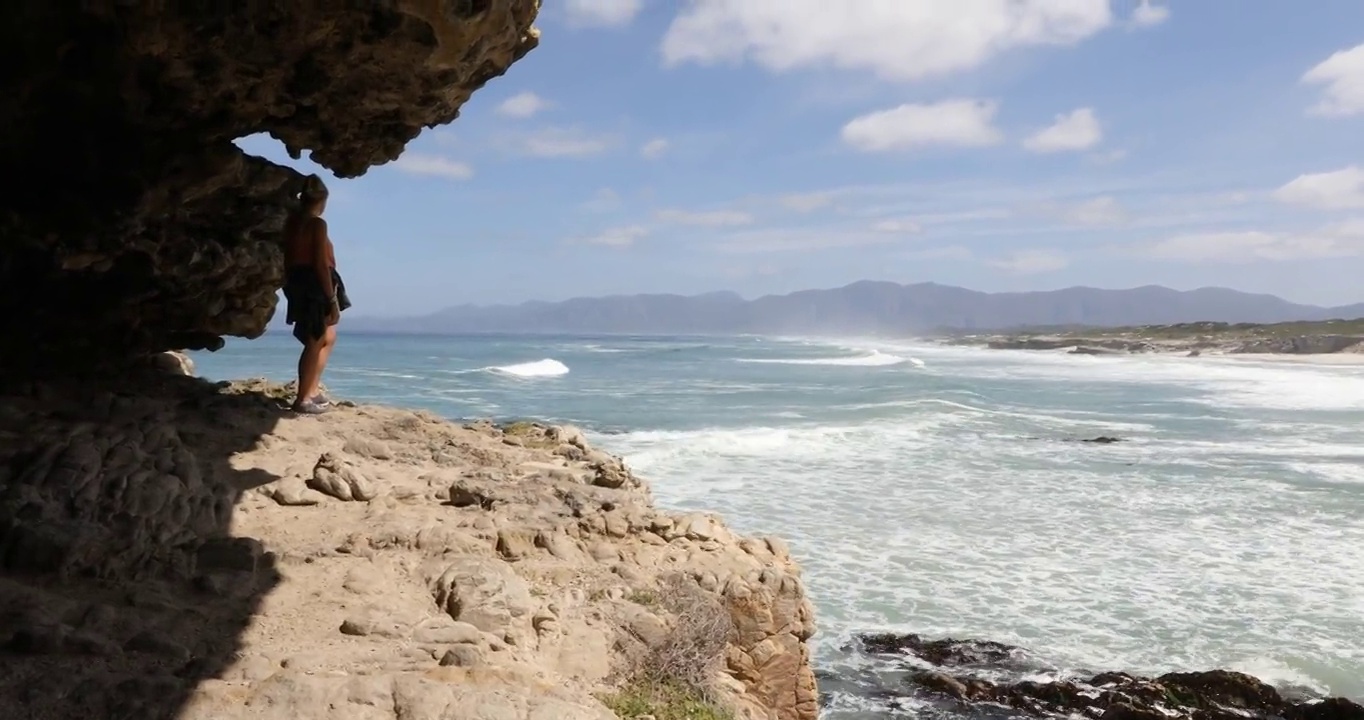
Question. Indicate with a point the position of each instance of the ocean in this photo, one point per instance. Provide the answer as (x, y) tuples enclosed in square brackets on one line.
[(942, 491)]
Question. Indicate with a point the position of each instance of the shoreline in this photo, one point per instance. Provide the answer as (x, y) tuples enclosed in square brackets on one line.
[(1324, 359), (1318, 359), (1323, 343)]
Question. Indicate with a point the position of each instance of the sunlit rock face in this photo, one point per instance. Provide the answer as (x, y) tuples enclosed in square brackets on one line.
[(133, 224)]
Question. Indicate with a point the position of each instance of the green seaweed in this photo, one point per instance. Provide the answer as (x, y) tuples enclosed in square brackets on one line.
[(665, 701)]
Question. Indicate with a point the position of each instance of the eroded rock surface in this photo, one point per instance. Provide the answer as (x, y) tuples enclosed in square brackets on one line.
[(133, 223), (170, 551)]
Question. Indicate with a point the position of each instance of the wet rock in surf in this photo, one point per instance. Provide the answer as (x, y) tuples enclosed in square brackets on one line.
[(979, 678), (1097, 440), (945, 652)]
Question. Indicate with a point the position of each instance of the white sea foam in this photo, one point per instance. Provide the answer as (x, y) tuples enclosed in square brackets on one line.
[(371, 372), (1033, 418), (549, 367), (944, 519), (1282, 674), (1221, 382), (1334, 472), (875, 358)]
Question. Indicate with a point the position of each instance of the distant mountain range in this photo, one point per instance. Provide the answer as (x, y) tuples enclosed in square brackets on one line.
[(862, 308)]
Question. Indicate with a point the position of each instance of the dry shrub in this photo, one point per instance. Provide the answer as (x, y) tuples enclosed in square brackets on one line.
[(679, 668)]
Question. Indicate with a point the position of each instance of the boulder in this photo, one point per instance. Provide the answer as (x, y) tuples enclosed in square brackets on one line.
[(485, 593), (335, 477)]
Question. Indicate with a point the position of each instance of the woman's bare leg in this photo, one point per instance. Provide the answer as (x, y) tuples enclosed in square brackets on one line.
[(328, 342), (309, 370), (324, 353)]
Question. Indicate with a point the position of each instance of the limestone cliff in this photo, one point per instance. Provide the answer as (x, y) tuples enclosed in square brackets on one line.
[(131, 222), (195, 551)]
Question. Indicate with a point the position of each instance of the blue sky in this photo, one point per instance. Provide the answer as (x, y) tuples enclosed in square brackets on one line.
[(766, 146)]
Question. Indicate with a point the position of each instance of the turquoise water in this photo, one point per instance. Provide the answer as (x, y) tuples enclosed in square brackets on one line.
[(937, 490)]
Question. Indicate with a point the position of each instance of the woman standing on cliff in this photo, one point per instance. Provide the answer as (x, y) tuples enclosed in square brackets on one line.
[(314, 291)]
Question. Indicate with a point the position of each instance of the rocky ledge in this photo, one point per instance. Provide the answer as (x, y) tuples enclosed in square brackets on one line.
[(183, 549), (977, 678)]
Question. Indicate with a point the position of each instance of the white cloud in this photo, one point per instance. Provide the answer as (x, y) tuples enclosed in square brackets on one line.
[(1336, 190), (900, 226), (947, 252), (1352, 229), (959, 217), (418, 164), (738, 272), (895, 39), (1031, 262), (522, 105), (1230, 197), (1108, 157), (562, 143), (1216, 246), (1342, 74), (776, 240), (960, 123), (1340, 240), (603, 201), (618, 237), (1148, 15), (602, 13), (654, 149), (1098, 212), (711, 218), (806, 202), (1077, 130)]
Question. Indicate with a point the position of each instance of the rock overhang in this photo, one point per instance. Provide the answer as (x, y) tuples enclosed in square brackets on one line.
[(134, 224)]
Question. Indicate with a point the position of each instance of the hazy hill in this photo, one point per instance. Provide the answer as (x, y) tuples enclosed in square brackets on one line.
[(864, 307)]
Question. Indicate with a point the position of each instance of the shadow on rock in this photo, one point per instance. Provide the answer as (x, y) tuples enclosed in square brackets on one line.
[(121, 586), (986, 679)]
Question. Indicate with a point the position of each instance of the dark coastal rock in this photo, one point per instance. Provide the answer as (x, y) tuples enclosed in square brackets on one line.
[(946, 652), (135, 224), (1078, 345), (1096, 440), (1030, 343), (976, 678)]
